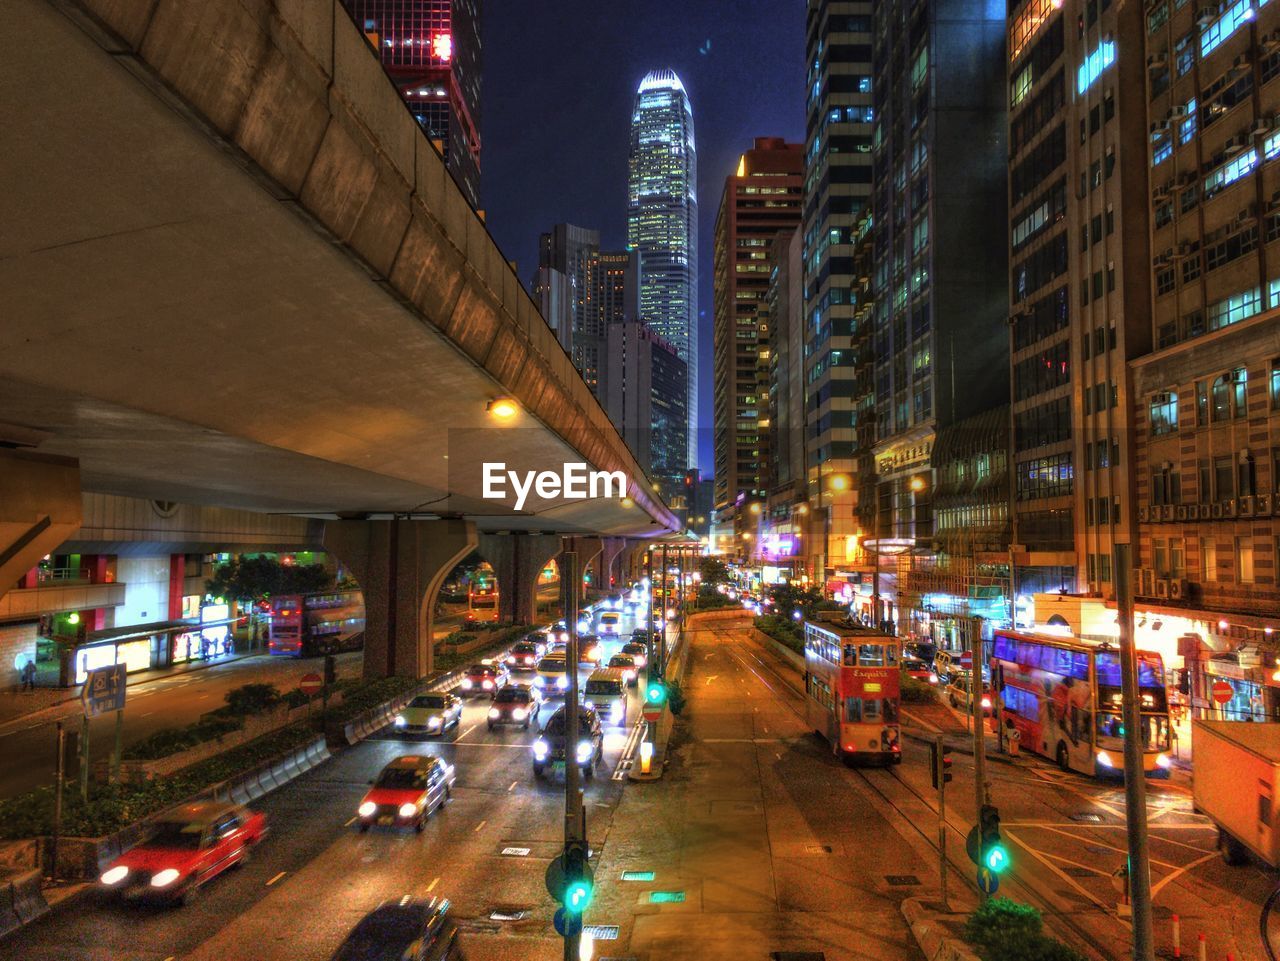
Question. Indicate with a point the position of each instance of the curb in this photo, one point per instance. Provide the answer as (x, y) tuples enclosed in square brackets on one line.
[(936, 932)]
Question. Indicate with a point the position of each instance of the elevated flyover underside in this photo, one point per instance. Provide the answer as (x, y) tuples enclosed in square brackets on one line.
[(236, 273)]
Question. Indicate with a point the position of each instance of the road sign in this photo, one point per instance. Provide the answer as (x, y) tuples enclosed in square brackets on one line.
[(651, 712), (1222, 692), (966, 661), (310, 684), (567, 925), (988, 881), (103, 690)]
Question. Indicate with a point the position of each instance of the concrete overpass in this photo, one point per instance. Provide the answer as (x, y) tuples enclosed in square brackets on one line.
[(237, 274)]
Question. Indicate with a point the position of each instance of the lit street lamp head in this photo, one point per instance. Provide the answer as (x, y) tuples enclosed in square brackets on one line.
[(503, 408)]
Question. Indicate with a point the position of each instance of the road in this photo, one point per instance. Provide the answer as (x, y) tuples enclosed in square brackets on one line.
[(316, 875), (1067, 836)]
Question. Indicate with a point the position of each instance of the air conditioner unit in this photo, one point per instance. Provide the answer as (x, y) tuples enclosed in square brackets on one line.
[(1234, 146), (1178, 111), (1161, 192), (1246, 505), (1177, 588), (1206, 512), (1229, 507), (1262, 504), (1204, 18), (1159, 128), (1162, 587), (1181, 512), (1157, 60), (1215, 510), (1262, 126), (1167, 513), (1270, 41), (1144, 515)]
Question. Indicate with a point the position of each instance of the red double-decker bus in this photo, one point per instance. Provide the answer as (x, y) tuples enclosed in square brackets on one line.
[(852, 689), (304, 625)]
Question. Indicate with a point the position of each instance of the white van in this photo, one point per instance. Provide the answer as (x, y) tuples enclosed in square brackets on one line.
[(607, 692)]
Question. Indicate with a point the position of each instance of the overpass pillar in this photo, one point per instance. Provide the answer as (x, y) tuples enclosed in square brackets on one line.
[(518, 559), (589, 550), (612, 549), (40, 507), (629, 567), (401, 565)]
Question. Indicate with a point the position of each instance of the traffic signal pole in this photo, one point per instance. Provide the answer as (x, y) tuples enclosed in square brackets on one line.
[(1135, 785), (574, 827), (941, 776), (975, 707)]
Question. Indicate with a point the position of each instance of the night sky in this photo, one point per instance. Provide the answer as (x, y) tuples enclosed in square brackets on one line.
[(559, 84)]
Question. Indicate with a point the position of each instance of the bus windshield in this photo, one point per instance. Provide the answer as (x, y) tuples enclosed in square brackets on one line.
[(1155, 729), (1150, 682)]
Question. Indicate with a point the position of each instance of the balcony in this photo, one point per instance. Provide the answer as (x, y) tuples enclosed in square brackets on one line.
[(58, 595)]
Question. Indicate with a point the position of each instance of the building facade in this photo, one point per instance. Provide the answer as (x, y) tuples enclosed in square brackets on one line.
[(662, 223), (555, 295), (761, 198), (431, 51), (839, 126), (575, 252)]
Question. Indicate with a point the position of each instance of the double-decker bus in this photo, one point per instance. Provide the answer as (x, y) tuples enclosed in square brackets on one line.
[(1063, 696), (482, 598), (851, 681), (305, 625)]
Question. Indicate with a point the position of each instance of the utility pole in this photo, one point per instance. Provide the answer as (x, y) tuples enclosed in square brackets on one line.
[(976, 709), (59, 777), (662, 623), (84, 756), (941, 776), (574, 826), (1135, 786)]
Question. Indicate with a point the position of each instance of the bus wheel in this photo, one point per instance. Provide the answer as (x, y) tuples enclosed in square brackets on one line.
[(1064, 760), (1232, 851)]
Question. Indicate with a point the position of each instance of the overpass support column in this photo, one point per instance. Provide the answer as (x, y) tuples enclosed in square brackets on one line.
[(630, 564), (588, 550), (518, 559), (609, 574), (40, 507), (401, 565)]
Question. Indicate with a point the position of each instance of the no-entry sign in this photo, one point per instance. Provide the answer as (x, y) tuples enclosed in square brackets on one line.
[(652, 712), (1222, 692), (966, 661), (310, 684)]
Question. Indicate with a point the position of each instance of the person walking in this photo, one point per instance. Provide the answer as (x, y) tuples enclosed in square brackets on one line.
[(29, 676)]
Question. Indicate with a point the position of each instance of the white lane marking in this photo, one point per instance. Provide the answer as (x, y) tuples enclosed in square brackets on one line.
[(349, 823), (513, 786), (477, 828), (148, 714), (741, 740), (432, 886), (1063, 875), (1182, 870), (276, 878), (468, 730)]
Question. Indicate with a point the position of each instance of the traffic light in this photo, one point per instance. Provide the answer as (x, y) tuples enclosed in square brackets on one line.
[(655, 692), (939, 765), (994, 855), (578, 878)]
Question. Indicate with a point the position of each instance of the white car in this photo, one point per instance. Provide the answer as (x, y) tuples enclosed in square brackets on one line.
[(607, 692)]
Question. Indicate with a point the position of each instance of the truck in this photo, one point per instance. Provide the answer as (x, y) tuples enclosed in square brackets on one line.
[(1237, 784)]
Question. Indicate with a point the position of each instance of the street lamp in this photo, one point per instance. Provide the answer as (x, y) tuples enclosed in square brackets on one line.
[(917, 483)]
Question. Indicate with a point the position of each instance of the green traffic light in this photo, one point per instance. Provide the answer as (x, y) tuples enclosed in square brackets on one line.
[(577, 896), (655, 693), (997, 859)]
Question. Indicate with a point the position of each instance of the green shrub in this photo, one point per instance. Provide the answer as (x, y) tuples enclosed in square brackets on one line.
[(709, 599), (1004, 930), (675, 697), (172, 740), (914, 691), (786, 631), (252, 699)]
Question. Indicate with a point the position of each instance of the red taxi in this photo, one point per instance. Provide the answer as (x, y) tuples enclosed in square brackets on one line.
[(483, 678), (406, 792), (189, 846)]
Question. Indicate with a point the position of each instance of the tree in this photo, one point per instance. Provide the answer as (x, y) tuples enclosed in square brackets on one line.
[(713, 571), (790, 597), (256, 578)]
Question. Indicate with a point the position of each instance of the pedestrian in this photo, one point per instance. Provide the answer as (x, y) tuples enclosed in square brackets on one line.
[(29, 676)]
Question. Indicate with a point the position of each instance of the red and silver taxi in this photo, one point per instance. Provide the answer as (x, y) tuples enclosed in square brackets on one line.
[(189, 846), (407, 791)]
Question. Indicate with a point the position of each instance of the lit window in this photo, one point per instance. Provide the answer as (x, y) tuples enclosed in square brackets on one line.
[(1164, 413), (1187, 129), (1098, 61), (1229, 172), (1162, 151), (1238, 13)]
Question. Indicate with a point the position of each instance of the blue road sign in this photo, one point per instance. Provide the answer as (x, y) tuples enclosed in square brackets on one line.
[(566, 924), (988, 881), (104, 690)]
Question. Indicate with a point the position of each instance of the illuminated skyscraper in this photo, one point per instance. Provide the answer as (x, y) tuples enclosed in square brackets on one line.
[(431, 51), (662, 222)]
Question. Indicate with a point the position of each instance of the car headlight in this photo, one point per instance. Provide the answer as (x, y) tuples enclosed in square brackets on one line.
[(933, 678), (615, 712), (487, 685), (162, 879), (584, 750), (466, 683), (986, 702), (434, 722), (519, 714), (494, 712), (1163, 761), (1104, 759), (540, 749), (408, 810), (367, 809), (562, 682), (114, 875), (641, 660), (539, 681), (400, 721)]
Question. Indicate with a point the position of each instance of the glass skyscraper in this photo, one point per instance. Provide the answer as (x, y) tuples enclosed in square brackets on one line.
[(662, 222)]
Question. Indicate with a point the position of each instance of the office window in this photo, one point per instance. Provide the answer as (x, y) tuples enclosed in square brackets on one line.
[(1202, 404), (1246, 475), (1096, 62), (1166, 484), (1275, 384), (1229, 395), (1164, 413), (1160, 557), (1104, 568), (1209, 559), (1244, 560), (1161, 151), (1224, 478), (1177, 558)]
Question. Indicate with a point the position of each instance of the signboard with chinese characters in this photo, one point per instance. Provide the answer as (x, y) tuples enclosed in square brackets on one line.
[(104, 690)]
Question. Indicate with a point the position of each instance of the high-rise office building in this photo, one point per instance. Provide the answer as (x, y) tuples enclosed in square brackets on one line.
[(940, 241), (431, 51), (762, 197), (619, 287), (644, 383), (662, 222), (553, 292), (575, 252), (838, 138)]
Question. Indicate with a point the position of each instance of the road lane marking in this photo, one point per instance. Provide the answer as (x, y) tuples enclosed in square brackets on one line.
[(349, 823), (1182, 870), (432, 886), (148, 714), (513, 786), (468, 730), (276, 878), (1065, 877), (480, 825)]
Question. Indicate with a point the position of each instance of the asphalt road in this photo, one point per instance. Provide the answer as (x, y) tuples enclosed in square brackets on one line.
[(316, 876)]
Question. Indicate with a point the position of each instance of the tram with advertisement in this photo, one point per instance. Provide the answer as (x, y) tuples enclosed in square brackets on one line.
[(307, 625), (482, 598), (1063, 696), (851, 680)]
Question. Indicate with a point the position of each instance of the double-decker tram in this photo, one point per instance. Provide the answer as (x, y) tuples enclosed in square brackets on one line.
[(852, 690), (305, 625), (1062, 695)]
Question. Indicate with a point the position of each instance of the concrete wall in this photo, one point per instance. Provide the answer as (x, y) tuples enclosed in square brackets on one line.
[(146, 598), (17, 645)]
